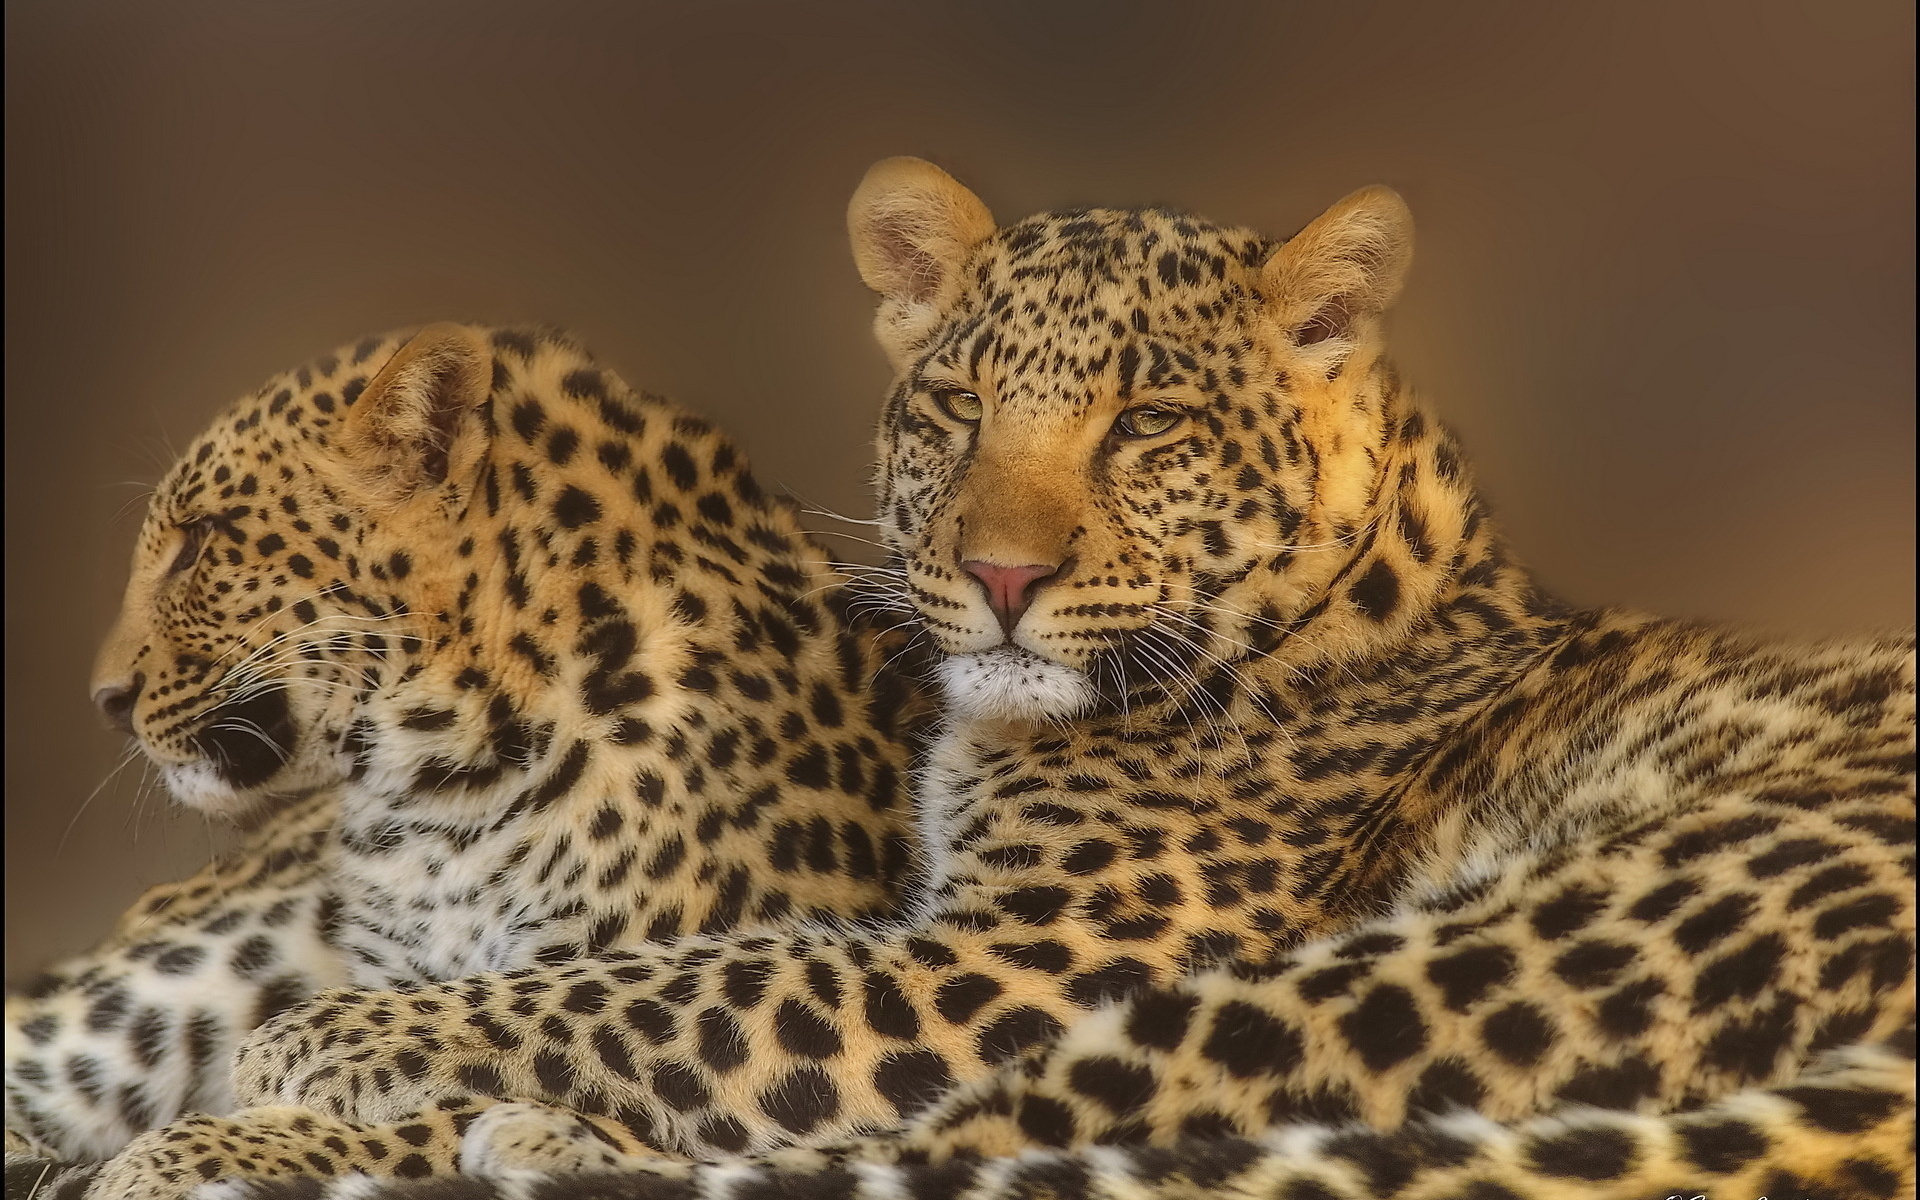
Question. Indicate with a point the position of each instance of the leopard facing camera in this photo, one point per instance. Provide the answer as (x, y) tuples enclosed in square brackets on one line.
[(1276, 834)]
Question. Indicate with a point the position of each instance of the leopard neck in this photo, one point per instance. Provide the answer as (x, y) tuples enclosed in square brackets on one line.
[(1430, 572), (1420, 594), (606, 552)]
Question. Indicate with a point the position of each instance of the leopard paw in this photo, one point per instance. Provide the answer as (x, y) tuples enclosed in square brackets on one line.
[(523, 1136)]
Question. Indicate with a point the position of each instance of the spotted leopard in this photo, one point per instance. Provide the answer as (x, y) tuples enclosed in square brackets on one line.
[(509, 664)]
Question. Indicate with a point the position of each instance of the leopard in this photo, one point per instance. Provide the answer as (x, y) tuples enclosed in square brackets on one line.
[(497, 662), (1280, 835)]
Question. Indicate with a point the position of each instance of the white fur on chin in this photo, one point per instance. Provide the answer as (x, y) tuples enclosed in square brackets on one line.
[(198, 785), (1007, 683)]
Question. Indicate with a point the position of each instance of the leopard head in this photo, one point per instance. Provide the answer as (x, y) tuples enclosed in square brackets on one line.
[(286, 566), (1120, 442)]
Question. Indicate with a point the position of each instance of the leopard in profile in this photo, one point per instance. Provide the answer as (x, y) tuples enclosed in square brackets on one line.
[(506, 664)]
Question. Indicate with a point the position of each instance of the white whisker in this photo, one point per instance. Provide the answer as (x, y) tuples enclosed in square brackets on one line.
[(128, 755)]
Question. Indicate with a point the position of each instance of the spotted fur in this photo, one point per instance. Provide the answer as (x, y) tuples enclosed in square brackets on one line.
[(1849, 1121), (1281, 821)]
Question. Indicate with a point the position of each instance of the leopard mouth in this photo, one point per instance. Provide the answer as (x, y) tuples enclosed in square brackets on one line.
[(247, 741)]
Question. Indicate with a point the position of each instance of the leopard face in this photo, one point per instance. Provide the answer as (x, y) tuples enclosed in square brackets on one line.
[(263, 597), (1119, 441)]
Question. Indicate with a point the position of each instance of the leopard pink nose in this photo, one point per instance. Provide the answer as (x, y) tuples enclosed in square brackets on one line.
[(1010, 589)]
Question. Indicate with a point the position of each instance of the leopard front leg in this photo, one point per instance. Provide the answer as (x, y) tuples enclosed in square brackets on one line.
[(283, 1142), (710, 1046), (1843, 1129), (458, 1136)]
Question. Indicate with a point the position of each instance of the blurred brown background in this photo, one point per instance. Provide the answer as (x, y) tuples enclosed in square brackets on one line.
[(1664, 286)]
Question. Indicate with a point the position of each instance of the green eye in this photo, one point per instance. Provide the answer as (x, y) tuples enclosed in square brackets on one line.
[(1147, 420), (960, 405)]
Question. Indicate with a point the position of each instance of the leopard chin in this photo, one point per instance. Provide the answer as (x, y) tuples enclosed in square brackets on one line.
[(1007, 683)]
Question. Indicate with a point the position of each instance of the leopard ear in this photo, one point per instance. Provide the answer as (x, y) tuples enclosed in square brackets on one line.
[(411, 426), (913, 227), (1347, 265)]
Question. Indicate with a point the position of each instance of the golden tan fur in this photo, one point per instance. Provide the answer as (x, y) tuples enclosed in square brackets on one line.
[(1288, 817)]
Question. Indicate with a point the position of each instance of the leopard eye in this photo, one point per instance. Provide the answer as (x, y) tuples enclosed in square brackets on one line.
[(962, 406), (1148, 420), (194, 533)]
